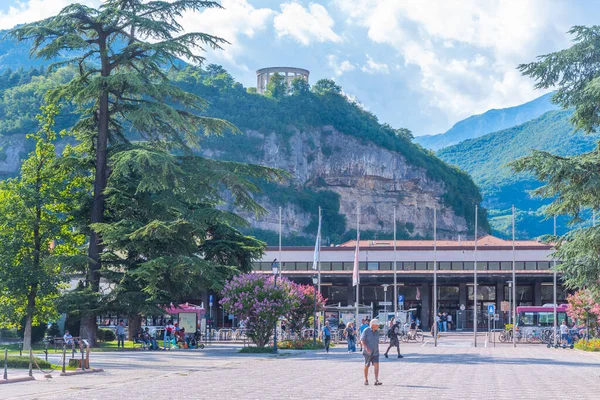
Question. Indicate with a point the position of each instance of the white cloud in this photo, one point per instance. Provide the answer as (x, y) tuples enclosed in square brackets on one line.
[(466, 51), (237, 19), (372, 67), (34, 10), (305, 25), (339, 67)]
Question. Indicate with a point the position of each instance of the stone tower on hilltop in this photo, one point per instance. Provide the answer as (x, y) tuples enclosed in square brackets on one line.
[(263, 75)]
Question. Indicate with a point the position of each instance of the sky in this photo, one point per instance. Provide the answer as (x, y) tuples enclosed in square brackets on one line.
[(422, 65)]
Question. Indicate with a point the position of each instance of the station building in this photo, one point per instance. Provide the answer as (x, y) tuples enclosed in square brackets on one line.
[(415, 271)]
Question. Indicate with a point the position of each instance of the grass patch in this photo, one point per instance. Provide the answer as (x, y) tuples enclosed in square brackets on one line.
[(23, 362), (257, 350)]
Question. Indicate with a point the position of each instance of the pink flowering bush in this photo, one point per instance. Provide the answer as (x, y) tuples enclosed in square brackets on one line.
[(258, 300), (299, 316), (577, 303)]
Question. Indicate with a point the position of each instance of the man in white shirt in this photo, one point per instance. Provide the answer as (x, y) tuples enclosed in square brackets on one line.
[(564, 333)]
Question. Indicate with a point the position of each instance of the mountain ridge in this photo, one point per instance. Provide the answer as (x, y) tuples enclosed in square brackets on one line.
[(490, 121)]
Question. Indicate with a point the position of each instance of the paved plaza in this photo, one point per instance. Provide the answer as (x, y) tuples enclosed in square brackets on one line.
[(452, 370)]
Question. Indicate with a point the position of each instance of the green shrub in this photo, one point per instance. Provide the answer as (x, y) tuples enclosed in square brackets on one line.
[(23, 362), (253, 350), (306, 344), (589, 345), (108, 335)]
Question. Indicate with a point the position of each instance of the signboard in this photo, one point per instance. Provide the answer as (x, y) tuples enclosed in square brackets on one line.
[(210, 302), (188, 321), (491, 309), (462, 307), (496, 317), (385, 303), (401, 299), (505, 306)]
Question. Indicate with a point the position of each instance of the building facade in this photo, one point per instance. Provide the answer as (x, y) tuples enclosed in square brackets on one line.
[(289, 73), (414, 275)]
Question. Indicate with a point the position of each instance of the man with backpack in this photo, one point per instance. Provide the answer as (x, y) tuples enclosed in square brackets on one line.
[(393, 333)]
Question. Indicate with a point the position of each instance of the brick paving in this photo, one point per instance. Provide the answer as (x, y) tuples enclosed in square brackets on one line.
[(452, 370)]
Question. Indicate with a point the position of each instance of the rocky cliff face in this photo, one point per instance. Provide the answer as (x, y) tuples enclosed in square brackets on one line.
[(361, 173)]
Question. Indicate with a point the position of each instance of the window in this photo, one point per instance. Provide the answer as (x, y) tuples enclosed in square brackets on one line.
[(362, 266), (373, 266), (481, 265), (256, 266), (336, 266), (543, 265), (444, 265), (325, 266), (485, 293), (494, 266), (409, 266), (386, 265), (506, 266), (337, 294), (348, 266), (457, 265), (548, 294), (302, 266), (421, 266), (530, 265), (469, 265), (519, 265), (448, 293), (526, 319)]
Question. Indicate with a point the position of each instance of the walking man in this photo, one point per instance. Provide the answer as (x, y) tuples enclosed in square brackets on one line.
[(394, 340), (370, 344), (326, 336)]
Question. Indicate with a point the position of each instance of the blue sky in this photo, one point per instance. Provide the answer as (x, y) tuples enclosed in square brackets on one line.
[(422, 65)]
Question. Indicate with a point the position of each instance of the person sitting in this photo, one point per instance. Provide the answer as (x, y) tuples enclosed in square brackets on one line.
[(69, 340), (148, 339)]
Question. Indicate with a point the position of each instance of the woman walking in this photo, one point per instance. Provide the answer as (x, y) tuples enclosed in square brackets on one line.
[(351, 337)]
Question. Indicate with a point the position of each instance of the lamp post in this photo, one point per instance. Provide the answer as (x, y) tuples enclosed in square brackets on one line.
[(587, 324), (510, 318), (315, 280), (385, 286), (275, 267)]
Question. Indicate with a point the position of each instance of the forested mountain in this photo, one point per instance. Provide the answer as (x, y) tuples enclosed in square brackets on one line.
[(485, 159), (337, 154), (490, 121)]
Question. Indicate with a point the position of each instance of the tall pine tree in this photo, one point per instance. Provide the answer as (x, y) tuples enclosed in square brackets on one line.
[(572, 182), (121, 49)]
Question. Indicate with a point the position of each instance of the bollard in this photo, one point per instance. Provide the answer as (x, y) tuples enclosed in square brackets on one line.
[(5, 363), (30, 361), (21, 349), (82, 360), (46, 350), (64, 357), (73, 350)]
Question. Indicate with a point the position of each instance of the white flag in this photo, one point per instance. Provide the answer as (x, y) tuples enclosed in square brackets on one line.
[(355, 273), (317, 246)]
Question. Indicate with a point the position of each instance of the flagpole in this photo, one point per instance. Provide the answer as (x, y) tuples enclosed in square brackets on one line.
[(475, 304), (280, 260), (435, 325), (357, 267), (554, 268), (319, 253), (514, 282), (395, 269)]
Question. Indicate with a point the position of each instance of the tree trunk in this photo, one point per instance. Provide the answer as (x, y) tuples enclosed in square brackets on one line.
[(135, 324), (88, 322), (29, 319)]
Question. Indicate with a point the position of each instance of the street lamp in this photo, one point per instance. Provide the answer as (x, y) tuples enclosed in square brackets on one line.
[(510, 321), (315, 280), (275, 268), (587, 324), (385, 286)]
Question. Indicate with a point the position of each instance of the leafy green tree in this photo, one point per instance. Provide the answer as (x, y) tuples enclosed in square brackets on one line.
[(299, 87), (277, 86), (573, 182), (37, 237), (166, 239), (324, 86), (121, 49)]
